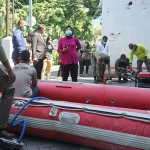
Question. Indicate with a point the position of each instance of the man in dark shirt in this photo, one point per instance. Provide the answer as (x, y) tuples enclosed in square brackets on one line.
[(121, 65)]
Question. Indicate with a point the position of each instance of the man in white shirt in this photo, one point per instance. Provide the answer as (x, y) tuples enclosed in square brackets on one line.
[(26, 77), (103, 47)]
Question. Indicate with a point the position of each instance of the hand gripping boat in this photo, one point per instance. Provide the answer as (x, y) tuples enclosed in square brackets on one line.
[(102, 127)]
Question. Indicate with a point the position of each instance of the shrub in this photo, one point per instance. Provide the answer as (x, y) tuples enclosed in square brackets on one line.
[(55, 57)]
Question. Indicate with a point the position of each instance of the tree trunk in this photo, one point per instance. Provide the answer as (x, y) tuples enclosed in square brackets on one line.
[(7, 18)]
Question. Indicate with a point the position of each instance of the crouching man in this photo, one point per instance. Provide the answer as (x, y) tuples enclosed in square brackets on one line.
[(121, 65), (26, 77), (99, 62)]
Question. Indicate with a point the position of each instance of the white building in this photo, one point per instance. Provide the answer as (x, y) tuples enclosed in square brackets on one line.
[(124, 22)]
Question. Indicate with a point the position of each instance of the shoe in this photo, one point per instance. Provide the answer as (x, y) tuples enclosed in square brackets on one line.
[(125, 79), (6, 135), (47, 78), (81, 75), (95, 81), (59, 77)]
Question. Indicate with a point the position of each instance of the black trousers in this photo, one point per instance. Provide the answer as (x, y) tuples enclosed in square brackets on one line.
[(39, 67), (81, 67), (87, 64), (73, 69), (59, 74), (16, 60)]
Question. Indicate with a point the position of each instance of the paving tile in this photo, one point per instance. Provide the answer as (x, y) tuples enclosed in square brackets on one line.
[(87, 148), (24, 147), (44, 143), (58, 148), (44, 149), (74, 147), (32, 146), (63, 145)]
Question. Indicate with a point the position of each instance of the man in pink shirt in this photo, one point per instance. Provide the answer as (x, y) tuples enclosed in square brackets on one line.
[(68, 47)]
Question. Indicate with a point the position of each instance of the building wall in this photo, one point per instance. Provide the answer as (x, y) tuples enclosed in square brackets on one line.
[(8, 47), (129, 24)]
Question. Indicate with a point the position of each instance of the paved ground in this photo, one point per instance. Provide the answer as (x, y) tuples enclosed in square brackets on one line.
[(35, 143)]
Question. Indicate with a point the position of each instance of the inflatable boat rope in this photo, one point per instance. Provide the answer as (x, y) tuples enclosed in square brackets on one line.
[(24, 121)]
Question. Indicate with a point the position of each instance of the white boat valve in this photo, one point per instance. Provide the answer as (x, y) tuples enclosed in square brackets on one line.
[(71, 118)]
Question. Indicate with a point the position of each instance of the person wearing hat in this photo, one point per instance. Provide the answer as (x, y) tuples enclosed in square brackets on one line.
[(121, 65), (142, 55)]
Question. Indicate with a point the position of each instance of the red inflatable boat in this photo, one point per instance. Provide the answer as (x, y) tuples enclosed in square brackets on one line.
[(83, 114), (102, 127), (126, 97)]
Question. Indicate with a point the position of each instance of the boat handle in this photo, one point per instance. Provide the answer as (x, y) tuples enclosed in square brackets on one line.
[(71, 118), (63, 86)]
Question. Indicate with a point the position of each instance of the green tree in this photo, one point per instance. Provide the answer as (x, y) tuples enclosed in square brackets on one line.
[(56, 15)]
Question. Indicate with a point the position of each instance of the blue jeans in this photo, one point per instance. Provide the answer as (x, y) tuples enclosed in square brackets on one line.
[(35, 91)]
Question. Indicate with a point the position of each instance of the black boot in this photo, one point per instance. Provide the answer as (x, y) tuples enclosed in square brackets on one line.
[(95, 80), (119, 79), (125, 79)]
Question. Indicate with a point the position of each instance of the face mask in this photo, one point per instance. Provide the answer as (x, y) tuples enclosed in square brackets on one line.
[(133, 49), (104, 43), (123, 60), (23, 29), (68, 32)]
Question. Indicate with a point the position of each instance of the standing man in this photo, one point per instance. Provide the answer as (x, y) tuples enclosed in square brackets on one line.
[(142, 56), (86, 57), (39, 49), (18, 41), (29, 45), (7, 89), (68, 47), (103, 47)]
